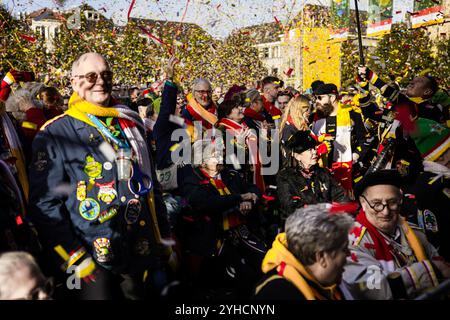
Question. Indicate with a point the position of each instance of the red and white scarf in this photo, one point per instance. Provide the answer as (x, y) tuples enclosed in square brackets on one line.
[(383, 249), (252, 143)]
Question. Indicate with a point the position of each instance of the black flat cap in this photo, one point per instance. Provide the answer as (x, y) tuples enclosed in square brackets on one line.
[(387, 176), (301, 141)]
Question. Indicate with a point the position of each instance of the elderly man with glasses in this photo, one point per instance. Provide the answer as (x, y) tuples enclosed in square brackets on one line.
[(390, 259), (94, 198), (200, 106)]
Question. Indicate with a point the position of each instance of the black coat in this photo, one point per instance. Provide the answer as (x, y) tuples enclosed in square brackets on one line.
[(202, 225), (295, 191)]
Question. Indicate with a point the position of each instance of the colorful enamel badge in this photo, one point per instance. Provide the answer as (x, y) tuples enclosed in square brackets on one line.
[(81, 190), (133, 211), (106, 192), (103, 253), (92, 168), (108, 214), (89, 209)]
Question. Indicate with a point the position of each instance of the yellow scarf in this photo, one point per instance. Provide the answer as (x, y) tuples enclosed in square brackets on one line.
[(79, 107), (293, 271)]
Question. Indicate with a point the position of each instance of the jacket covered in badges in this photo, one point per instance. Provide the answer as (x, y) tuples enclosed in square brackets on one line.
[(368, 278), (77, 202)]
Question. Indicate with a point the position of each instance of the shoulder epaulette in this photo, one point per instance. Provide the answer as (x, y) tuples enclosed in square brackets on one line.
[(49, 122)]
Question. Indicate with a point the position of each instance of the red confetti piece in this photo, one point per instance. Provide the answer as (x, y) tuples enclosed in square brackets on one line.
[(28, 38), (131, 8)]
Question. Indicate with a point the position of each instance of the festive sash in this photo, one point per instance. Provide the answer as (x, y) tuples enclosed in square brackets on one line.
[(252, 143), (271, 108), (230, 219), (198, 113), (250, 113), (383, 250), (287, 266), (342, 154)]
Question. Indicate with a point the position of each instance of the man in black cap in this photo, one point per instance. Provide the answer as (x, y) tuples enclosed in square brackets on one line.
[(345, 124), (390, 259), (303, 182)]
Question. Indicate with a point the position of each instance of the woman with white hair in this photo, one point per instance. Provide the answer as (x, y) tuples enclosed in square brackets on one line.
[(219, 201), (21, 278), (307, 261)]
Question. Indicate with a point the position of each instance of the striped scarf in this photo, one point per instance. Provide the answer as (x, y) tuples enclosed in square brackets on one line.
[(16, 151), (129, 120), (251, 142)]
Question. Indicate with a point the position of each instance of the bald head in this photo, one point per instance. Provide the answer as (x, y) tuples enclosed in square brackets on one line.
[(85, 57), (92, 78)]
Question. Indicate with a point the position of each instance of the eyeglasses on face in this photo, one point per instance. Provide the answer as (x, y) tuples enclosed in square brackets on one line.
[(393, 204), (92, 77)]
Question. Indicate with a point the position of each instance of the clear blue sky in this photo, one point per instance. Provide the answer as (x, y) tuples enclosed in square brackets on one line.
[(218, 17)]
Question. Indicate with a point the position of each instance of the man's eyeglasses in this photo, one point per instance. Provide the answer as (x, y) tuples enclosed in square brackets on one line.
[(93, 76), (203, 92), (392, 205)]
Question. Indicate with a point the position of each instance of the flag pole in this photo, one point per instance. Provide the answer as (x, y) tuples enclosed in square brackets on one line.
[(358, 28)]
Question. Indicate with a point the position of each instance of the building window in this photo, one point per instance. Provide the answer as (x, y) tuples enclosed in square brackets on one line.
[(89, 15), (265, 52), (274, 71), (56, 32)]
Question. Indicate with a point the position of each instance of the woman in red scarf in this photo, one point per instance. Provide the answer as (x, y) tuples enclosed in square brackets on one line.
[(220, 201)]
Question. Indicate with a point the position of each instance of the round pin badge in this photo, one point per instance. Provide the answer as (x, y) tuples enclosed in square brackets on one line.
[(133, 211), (107, 166), (89, 209)]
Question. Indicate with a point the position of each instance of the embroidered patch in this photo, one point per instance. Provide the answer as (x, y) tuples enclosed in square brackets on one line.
[(89, 209), (103, 252), (81, 190), (106, 192), (108, 214), (92, 168)]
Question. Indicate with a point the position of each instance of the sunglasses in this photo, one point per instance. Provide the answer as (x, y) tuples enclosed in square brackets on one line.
[(92, 77)]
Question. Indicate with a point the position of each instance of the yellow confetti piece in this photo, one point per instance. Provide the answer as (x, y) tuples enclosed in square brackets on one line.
[(174, 147), (358, 179)]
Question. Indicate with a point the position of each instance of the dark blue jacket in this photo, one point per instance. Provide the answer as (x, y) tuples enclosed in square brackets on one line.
[(58, 167), (163, 129)]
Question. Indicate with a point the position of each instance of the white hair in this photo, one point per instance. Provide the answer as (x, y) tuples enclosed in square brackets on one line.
[(10, 262), (199, 81), (76, 64)]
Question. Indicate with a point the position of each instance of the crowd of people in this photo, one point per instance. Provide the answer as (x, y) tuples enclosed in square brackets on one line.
[(169, 193)]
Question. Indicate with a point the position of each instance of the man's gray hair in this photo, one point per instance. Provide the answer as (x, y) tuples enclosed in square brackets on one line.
[(10, 262), (199, 81), (313, 229)]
